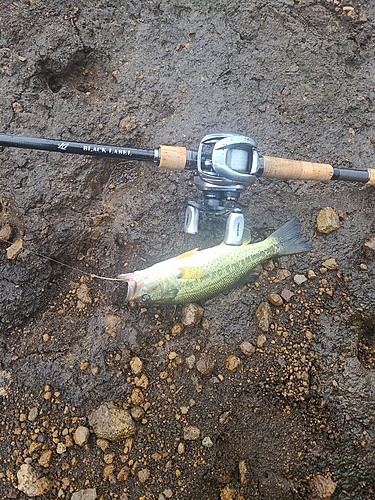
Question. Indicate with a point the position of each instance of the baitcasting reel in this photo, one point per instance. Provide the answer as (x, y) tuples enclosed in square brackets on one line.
[(224, 166)]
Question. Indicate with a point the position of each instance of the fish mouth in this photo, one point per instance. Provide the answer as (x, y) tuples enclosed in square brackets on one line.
[(135, 283)]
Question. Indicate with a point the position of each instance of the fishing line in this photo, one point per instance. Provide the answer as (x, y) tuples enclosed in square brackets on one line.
[(92, 275)]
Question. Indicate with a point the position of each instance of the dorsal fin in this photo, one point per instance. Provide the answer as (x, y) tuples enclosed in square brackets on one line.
[(190, 253)]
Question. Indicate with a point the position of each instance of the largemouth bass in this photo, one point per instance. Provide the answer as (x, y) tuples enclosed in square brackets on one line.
[(200, 274)]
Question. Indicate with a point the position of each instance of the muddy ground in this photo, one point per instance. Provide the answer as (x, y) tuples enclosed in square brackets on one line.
[(298, 77)]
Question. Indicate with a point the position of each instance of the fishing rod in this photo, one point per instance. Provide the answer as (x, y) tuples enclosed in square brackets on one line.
[(224, 165)]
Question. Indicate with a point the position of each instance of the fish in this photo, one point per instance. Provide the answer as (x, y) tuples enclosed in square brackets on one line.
[(201, 274)]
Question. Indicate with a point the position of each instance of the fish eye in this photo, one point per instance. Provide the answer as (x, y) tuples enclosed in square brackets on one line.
[(145, 297)]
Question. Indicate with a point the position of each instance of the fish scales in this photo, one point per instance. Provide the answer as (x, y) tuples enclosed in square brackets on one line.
[(198, 275)]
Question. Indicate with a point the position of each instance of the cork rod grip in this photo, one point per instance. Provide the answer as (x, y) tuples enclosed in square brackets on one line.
[(371, 182), (172, 157), (281, 168)]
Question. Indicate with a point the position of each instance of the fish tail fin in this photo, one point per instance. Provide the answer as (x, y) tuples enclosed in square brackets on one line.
[(289, 238)]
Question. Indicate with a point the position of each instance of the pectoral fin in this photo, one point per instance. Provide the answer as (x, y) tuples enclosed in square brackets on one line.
[(250, 277)]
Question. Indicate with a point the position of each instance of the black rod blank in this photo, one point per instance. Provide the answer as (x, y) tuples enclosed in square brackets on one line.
[(81, 148)]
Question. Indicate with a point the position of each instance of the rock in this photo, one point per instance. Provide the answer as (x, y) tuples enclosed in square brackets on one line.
[(263, 316), (89, 494), (299, 279), (327, 221), (112, 423), (311, 275), (232, 363), (275, 299), (29, 483), (136, 365), (247, 348), (322, 488), (330, 264), (261, 340), (191, 315), (191, 433), (14, 250), (45, 458), (6, 232), (81, 435), (206, 364), (287, 294)]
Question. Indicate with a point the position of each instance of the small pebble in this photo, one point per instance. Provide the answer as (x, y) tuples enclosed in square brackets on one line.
[(327, 221), (242, 469), (33, 414), (191, 314), (45, 458), (60, 448), (14, 250), (181, 448), (275, 299), (81, 435), (136, 365), (137, 412), (206, 364), (330, 264), (287, 294), (143, 475), (311, 275), (282, 274), (228, 493), (191, 433), (247, 348), (370, 244), (103, 444), (263, 316), (299, 279), (84, 294), (207, 442), (232, 363), (6, 233), (261, 340), (190, 362), (137, 397)]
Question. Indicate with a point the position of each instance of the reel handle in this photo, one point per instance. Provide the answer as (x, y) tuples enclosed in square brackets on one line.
[(281, 168)]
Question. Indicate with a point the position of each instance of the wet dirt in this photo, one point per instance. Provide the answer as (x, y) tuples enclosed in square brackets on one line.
[(296, 76)]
